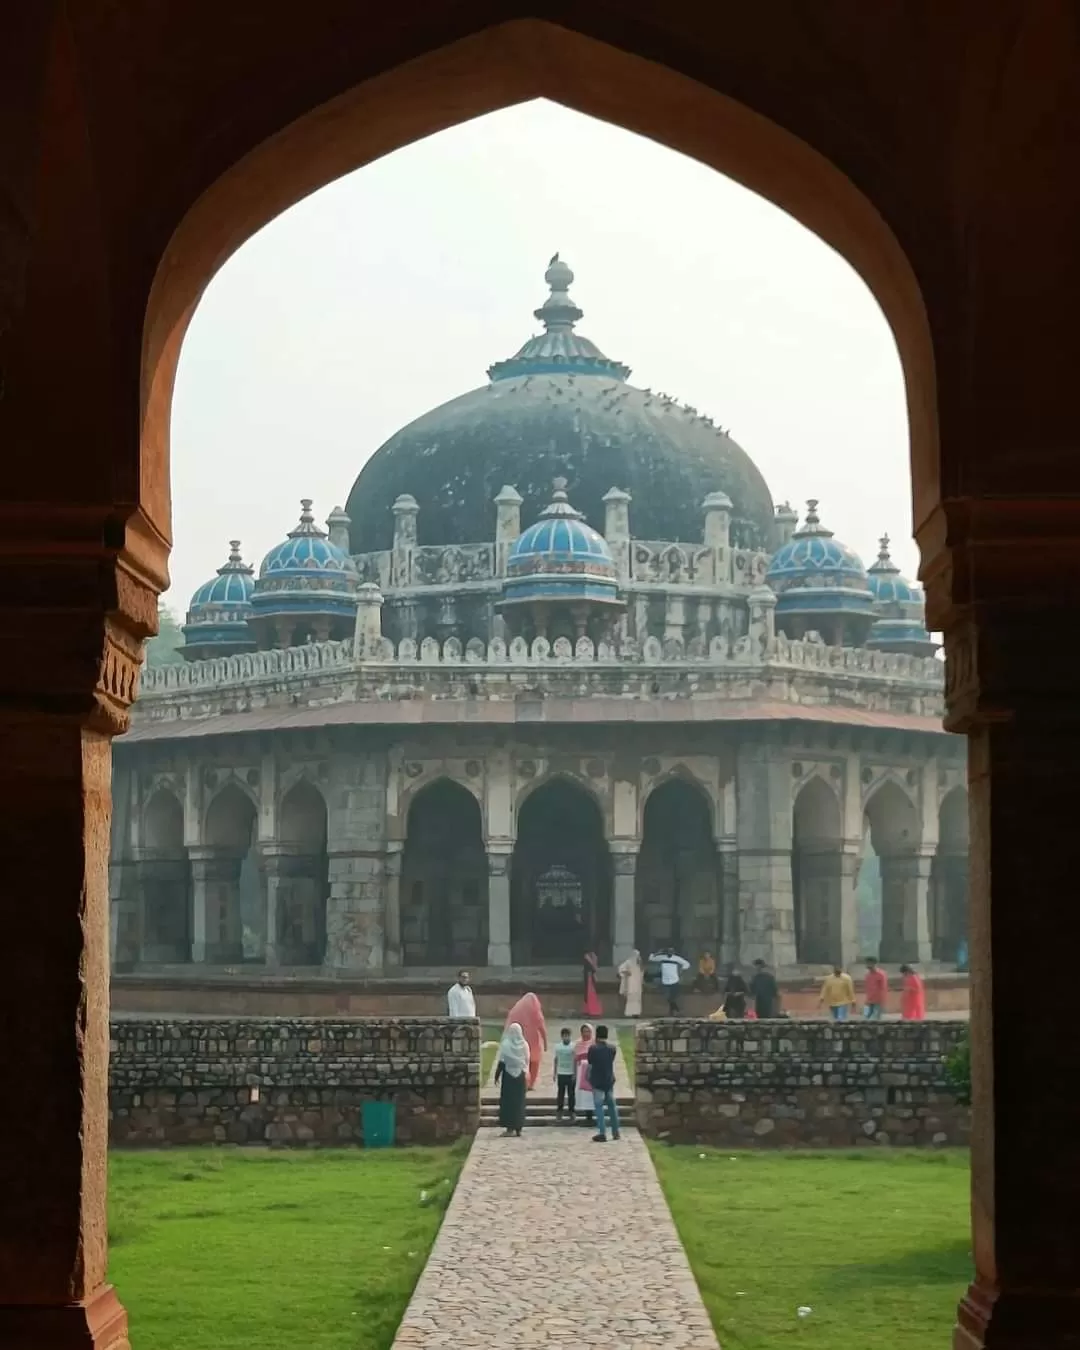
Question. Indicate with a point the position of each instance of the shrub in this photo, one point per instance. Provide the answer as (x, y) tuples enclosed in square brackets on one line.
[(958, 1071)]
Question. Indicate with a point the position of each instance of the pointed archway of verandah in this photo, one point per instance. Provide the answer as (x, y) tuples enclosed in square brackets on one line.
[(561, 878), (444, 879), (949, 933), (678, 882), (819, 886), (163, 882)]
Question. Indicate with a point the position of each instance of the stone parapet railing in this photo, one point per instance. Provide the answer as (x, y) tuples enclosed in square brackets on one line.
[(809, 1084), (290, 1081), (778, 653)]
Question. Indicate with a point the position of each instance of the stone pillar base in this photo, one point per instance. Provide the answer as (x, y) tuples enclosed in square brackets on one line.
[(1016, 1321), (98, 1323)]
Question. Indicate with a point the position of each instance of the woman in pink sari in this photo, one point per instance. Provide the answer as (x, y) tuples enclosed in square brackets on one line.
[(591, 1005), (529, 1015), (912, 996)]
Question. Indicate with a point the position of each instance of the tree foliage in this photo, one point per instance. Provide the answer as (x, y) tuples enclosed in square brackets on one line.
[(164, 650)]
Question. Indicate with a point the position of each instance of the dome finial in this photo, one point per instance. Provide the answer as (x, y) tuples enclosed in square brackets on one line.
[(812, 517), (234, 551), (558, 311), (307, 521), (883, 549), (560, 503)]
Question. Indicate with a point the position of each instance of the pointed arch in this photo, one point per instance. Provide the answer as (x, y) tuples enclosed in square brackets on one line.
[(230, 819), (893, 832), (561, 876), (163, 824), (163, 882), (297, 880), (817, 873), (949, 881), (677, 885), (444, 878)]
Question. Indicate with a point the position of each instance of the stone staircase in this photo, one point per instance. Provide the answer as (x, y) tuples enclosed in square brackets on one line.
[(540, 1111)]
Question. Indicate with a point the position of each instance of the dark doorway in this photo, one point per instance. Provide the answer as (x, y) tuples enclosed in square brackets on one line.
[(444, 880), (561, 879), (677, 887)]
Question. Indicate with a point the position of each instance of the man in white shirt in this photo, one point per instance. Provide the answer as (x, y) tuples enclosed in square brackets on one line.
[(671, 967), (460, 1001)]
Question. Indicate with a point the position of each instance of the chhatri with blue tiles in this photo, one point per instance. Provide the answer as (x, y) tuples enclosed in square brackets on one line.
[(559, 678)]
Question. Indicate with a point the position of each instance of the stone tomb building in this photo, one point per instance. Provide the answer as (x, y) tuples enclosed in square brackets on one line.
[(559, 678)]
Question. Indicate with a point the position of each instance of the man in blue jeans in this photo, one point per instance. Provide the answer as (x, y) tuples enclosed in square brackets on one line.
[(601, 1060)]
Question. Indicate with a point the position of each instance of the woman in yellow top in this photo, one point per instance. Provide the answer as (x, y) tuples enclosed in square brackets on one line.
[(838, 994)]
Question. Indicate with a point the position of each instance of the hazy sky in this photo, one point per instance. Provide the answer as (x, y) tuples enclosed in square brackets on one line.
[(392, 290)]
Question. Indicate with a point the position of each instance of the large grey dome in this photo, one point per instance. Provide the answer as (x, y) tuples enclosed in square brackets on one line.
[(559, 408)]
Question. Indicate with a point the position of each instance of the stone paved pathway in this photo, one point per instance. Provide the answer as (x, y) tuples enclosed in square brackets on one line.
[(553, 1241)]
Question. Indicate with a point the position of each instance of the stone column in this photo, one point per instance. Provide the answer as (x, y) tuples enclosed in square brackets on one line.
[(272, 860), (499, 908), (405, 511), (718, 508), (624, 855), (727, 881), (766, 907), (216, 937), (847, 936), (617, 530), (507, 525), (369, 603), (905, 906), (392, 916)]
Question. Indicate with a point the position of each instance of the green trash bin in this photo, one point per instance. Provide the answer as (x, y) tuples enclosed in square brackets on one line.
[(379, 1121)]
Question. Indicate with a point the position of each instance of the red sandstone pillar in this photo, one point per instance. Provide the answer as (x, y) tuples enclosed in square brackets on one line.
[(1024, 733)]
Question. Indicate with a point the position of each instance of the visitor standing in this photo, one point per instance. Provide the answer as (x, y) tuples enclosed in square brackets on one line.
[(838, 994), (460, 1001), (875, 990), (581, 1068), (564, 1074), (671, 969), (631, 982), (601, 1061), (764, 990), (736, 992), (511, 1074), (528, 1013), (591, 1005), (912, 995)]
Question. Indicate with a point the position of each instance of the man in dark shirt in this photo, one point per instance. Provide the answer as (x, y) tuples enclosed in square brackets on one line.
[(601, 1060), (765, 990)]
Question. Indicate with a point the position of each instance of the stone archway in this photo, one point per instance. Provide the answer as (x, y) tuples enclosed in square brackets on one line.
[(893, 824), (949, 881), (297, 880), (444, 879), (229, 915), (678, 898), (81, 243), (164, 882), (560, 878), (818, 885)]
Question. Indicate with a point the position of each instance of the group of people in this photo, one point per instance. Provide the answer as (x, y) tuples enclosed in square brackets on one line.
[(583, 1072), (838, 993)]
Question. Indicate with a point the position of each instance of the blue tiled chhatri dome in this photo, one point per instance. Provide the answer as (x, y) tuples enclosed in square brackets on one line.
[(560, 559), (217, 617), (900, 625), (306, 575), (815, 576)]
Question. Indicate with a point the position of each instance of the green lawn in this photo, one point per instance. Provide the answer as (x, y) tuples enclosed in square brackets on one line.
[(877, 1244), (225, 1249)]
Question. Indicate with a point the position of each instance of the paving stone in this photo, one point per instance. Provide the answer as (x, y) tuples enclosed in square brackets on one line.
[(551, 1240)]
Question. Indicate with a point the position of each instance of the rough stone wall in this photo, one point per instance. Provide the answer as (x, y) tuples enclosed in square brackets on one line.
[(798, 1084), (290, 1082)]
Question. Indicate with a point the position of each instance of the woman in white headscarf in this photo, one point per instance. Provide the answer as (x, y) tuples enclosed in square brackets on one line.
[(512, 1073), (631, 980)]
